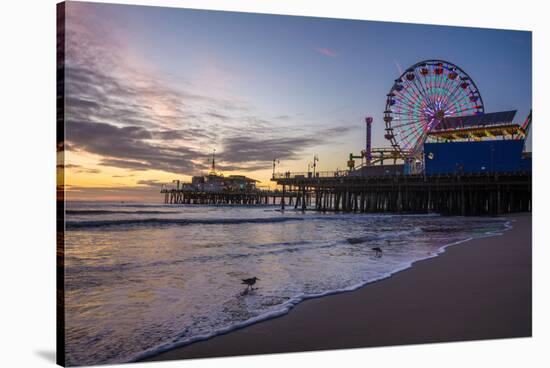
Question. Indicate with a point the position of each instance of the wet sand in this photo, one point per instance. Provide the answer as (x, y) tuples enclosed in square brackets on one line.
[(480, 289)]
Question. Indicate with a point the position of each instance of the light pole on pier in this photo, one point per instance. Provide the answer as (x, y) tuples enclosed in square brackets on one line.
[(315, 160), (275, 162)]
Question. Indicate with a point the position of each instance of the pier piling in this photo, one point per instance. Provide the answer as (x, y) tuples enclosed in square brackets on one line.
[(464, 194)]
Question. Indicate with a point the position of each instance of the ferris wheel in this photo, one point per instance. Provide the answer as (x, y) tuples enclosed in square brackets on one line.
[(422, 97)]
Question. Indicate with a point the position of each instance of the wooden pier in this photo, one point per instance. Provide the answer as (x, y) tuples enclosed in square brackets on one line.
[(222, 197), (467, 195)]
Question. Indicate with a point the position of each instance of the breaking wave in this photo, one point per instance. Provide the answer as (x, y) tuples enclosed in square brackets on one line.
[(115, 212), (168, 222)]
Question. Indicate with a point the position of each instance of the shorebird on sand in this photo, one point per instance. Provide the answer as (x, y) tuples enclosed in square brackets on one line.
[(378, 251), (249, 282)]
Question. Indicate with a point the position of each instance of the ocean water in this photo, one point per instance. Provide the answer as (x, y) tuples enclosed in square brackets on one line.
[(143, 278)]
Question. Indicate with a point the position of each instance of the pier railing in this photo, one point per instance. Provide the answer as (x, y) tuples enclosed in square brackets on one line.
[(310, 175)]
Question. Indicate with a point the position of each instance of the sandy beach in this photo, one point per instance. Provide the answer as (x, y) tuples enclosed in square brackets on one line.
[(480, 289)]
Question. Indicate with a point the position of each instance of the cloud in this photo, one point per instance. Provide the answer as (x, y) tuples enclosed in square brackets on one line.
[(218, 116), (339, 130), (260, 152), (139, 193), (88, 171), (152, 183), (67, 166), (78, 168), (283, 117), (129, 148), (137, 120), (398, 66), (125, 164), (326, 51), (134, 139), (257, 153), (97, 96)]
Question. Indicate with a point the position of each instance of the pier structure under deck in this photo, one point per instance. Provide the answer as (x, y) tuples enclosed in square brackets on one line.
[(452, 194), (222, 197)]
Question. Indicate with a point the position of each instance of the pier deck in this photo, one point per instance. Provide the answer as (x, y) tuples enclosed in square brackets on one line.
[(471, 194)]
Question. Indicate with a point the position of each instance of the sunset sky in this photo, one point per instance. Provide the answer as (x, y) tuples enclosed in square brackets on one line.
[(151, 91)]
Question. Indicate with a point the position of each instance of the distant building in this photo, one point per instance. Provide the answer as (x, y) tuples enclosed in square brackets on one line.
[(215, 182), (197, 180), (240, 183)]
